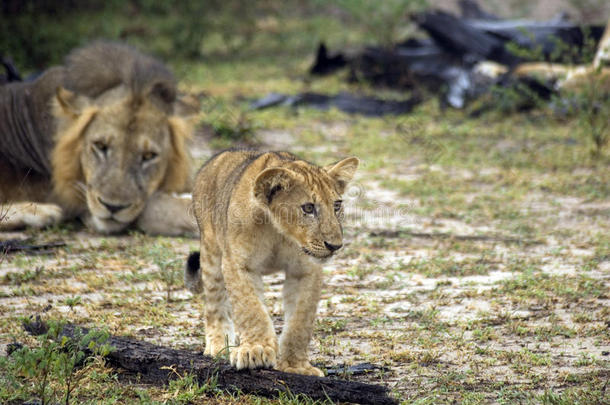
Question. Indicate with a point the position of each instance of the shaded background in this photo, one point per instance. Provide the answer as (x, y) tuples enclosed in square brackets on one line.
[(38, 33)]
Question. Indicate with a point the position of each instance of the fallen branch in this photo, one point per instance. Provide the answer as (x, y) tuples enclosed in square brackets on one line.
[(458, 37), (158, 365), (450, 62), (17, 245), (349, 103), (326, 64), (487, 39)]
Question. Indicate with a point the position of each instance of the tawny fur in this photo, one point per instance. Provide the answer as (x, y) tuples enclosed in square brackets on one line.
[(251, 211), (106, 96)]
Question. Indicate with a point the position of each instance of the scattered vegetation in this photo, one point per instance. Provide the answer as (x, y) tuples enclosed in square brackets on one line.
[(170, 266), (592, 108), (54, 368)]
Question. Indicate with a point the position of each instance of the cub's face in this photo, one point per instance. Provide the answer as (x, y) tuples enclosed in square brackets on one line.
[(305, 203), (124, 161)]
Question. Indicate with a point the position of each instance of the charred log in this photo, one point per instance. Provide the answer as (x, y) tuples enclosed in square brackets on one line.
[(547, 36), (346, 102), (448, 63), (325, 64), (487, 39), (156, 364), (460, 38), (18, 245)]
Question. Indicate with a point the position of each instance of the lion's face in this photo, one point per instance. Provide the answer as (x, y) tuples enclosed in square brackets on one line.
[(305, 203), (124, 161), (124, 153)]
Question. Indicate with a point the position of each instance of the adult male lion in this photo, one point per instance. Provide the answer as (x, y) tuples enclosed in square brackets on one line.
[(102, 138)]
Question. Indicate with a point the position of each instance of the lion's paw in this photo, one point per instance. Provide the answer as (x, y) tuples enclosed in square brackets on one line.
[(42, 215), (304, 368), (253, 356)]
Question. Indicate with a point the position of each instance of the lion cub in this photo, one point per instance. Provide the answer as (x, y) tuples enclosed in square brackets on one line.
[(259, 213)]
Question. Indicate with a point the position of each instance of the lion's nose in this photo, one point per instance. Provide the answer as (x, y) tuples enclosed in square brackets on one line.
[(112, 207), (331, 247)]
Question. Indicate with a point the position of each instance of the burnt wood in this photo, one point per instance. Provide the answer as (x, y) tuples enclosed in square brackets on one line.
[(457, 36), (156, 364), (325, 63), (18, 245), (487, 39), (346, 102)]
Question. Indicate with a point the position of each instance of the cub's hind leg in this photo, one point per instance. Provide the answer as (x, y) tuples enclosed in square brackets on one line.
[(29, 214), (219, 330)]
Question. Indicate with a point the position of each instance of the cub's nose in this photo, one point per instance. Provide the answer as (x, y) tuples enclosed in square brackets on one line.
[(112, 207), (331, 247)]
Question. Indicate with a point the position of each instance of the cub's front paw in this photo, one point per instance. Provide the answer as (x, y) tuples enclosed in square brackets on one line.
[(253, 356), (304, 368)]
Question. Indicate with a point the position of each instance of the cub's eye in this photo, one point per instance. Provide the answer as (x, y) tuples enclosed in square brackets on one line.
[(148, 156), (308, 208), (101, 147), (338, 205)]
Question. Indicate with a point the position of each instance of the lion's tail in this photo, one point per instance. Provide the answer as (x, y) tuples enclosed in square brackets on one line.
[(192, 274)]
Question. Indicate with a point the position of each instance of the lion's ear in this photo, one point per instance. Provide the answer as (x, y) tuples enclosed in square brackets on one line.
[(270, 181), (177, 176), (343, 171), (186, 106), (68, 103)]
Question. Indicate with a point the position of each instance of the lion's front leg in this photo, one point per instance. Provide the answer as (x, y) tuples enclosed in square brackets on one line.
[(29, 214), (301, 296), (169, 215), (257, 340)]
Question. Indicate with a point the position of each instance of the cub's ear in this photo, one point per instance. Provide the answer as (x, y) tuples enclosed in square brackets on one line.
[(270, 181), (343, 171), (68, 104)]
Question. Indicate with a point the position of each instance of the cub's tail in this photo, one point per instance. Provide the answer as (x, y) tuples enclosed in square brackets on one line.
[(192, 274)]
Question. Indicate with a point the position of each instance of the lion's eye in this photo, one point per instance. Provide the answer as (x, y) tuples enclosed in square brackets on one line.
[(148, 156), (101, 147), (308, 208), (337, 205)]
